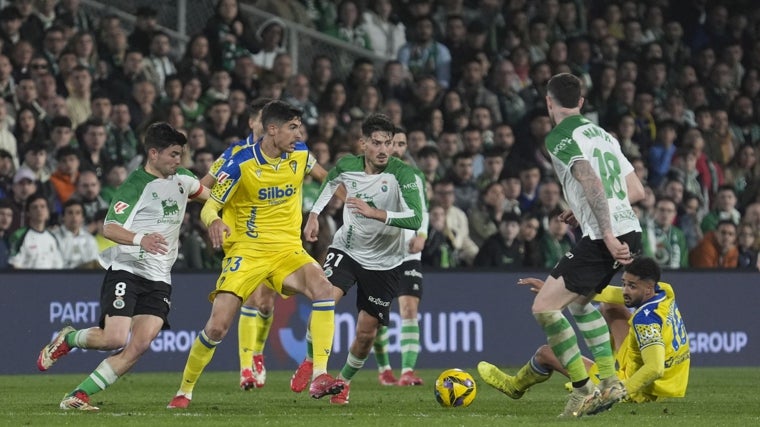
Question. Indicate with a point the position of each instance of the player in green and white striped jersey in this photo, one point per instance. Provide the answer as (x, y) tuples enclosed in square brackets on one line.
[(384, 196), (600, 185), (144, 219)]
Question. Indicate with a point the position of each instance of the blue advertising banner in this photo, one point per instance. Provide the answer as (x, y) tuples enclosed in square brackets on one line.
[(464, 318)]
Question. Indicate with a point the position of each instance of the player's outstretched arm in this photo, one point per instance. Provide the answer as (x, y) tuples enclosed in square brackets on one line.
[(153, 243), (652, 369)]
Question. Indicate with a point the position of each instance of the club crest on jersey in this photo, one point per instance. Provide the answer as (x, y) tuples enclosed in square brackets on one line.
[(258, 173), (222, 177), (293, 165), (384, 186), (181, 190), (120, 207)]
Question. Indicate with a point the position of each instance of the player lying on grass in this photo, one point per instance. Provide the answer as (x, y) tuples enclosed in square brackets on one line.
[(653, 358)]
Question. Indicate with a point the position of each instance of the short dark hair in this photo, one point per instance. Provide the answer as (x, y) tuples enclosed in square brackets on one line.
[(278, 112), (565, 88), (33, 198), (644, 268), (377, 123), (258, 105), (65, 152), (203, 150), (60, 122), (5, 154), (162, 135), (71, 202)]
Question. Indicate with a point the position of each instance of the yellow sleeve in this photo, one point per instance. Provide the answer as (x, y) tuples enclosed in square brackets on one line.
[(653, 368), (210, 211), (611, 294)]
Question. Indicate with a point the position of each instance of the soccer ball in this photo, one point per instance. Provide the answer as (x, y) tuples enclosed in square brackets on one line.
[(455, 388)]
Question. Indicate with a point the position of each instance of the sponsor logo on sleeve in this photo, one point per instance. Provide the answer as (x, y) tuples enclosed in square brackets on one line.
[(120, 207), (222, 177)]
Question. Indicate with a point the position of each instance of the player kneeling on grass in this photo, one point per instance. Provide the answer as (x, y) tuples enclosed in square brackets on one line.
[(653, 358), (144, 219)]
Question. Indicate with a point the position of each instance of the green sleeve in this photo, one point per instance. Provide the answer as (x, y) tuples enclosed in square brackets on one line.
[(413, 194), (563, 147), (684, 249)]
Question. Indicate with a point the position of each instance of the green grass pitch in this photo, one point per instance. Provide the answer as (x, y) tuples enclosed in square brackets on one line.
[(716, 397)]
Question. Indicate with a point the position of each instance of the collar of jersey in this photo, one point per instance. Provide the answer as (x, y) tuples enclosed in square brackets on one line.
[(260, 155)]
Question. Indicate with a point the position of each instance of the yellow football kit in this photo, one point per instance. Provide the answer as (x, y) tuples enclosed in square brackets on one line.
[(262, 206)]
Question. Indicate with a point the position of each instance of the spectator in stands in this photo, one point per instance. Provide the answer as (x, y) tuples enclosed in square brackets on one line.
[(426, 98), (429, 161), (115, 176), (158, 64), (385, 33), (53, 44), (60, 135), (320, 77), (474, 92), (661, 153), (122, 143), (439, 250), (197, 58), (662, 240), (717, 249), (721, 143), (243, 76), (7, 139), (555, 242), (72, 10), (146, 23), (35, 158), (348, 25), (227, 30), (271, 42), (493, 165), (465, 187), (23, 187), (10, 24), (473, 142), (88, 193), (114, 49), (505, 85), (26, 97), (335, 100), (503, 249), (202, 161), (724, 209), (34, 246), (219, 89), (66, 173), (217, 126), (748, 244), (549, 200), (744, 124), (7, 170), (742, 168), (6, 218), (80, 91), (78, 247), (486, 215), (456, 221), (92, 136), (142, 103), (530, 177), (84, 47), (297, 94), (425, 56)]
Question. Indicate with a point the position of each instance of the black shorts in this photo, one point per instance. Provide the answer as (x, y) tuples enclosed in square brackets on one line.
[(126, 294), (411, 279), (589, 266), (376, 288)]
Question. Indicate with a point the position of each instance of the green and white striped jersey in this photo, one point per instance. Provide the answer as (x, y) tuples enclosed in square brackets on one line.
[(398, 190), (147, 204), (576, 138)]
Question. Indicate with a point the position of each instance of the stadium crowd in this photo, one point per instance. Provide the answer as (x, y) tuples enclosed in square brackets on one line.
[(677, 82)]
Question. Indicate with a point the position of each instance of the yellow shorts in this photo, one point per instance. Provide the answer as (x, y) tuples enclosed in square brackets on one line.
[(244, 268)]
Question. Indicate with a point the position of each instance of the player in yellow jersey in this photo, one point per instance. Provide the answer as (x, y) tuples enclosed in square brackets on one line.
[(653, 358), (256, 314), (259, 188)]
